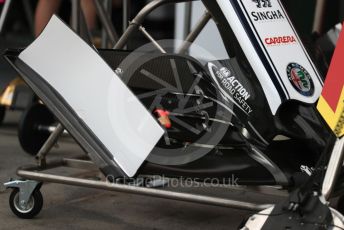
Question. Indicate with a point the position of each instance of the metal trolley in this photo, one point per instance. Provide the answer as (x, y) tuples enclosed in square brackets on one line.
[(26, 200)]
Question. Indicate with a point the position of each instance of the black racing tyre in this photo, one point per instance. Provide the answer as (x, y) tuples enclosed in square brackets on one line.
[(30, 137), (33, 207)]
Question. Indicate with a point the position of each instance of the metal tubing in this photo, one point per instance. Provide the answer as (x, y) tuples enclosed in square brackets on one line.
[(201, 199), (195, 32), (106, 22), (333, 168), (76, 9), (83, 162), (126, 14), (104, 35), (49, 129), (319, 16), (64, 162), (123, 40), (138, 20), (4, 13), (84, 32), (80, 164), (150, 38), (48, 145), (187, 18)]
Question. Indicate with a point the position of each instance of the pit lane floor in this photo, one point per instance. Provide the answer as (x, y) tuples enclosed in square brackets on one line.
[(68, 207)]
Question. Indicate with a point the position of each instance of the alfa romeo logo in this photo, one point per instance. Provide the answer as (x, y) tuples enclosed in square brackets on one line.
[(300, 79)]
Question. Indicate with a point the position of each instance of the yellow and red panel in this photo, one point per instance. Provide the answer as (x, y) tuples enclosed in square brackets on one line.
[(331, 102)]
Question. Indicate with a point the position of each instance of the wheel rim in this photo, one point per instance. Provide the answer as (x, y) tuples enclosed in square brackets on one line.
[(23, 209)]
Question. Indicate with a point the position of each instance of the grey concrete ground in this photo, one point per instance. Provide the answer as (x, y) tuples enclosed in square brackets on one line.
[(68, 207)]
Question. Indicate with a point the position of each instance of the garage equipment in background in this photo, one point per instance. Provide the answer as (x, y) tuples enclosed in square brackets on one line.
[(249, 148)]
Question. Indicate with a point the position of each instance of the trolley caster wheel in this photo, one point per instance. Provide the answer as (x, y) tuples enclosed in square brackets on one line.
[(2, 113), (31, 135), (31, 209)]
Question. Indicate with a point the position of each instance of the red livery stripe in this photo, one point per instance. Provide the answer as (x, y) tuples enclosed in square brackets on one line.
[(335, 78)]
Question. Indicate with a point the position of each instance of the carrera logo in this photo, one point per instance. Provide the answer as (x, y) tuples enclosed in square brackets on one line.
[(263, 3), (300, 79), (282, 40)]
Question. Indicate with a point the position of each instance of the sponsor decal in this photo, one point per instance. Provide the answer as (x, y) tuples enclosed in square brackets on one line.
[(267, 15), (263, 3), (300, 79), (231, 87), (282, 40)]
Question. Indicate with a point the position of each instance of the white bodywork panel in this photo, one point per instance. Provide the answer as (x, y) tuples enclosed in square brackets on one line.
[(95, 93), (279, 55)]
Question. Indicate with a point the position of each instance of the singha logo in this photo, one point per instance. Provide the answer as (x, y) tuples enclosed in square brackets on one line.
[(263, 3)]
